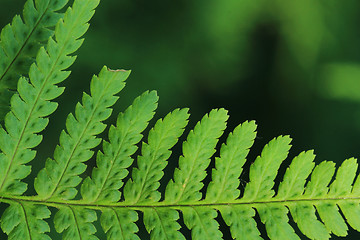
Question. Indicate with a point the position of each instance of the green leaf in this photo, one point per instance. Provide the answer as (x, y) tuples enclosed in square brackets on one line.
[(145, 178), (344, 178), (197, 150), (320, 179), (304, 215), (263, 171), (332, 219), (201, 222), (329, 212), (295, 176), (60, 176), (32, 104), (119, 224), (76, 223), (351, 211), (193, 199), (276, 222), (25, 221), (240, 220), (228, 168), (161, 224), (20, 41), (116, 157)]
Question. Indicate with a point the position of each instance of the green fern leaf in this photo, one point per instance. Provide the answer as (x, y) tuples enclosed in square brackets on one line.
[(201, 221), (228, 167), (264, 169), (32, 104), (343, 186), (22, 220), (320, 179), (356, 188), (161, 224), (60, 176), (276, 215), (329, 213), (76, 223), (241, 222), (304, 213), (306, 220), (20, 41), (332, 219), (197, 150), (117, 152), (295, 177), (145, 179), (345, 176), (351, 211), (320, 204), (119, 224)]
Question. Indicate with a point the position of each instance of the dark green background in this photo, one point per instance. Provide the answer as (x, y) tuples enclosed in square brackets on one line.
[(293, 66)]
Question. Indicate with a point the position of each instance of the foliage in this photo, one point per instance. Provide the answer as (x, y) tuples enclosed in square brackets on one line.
[(124, 191), (20, 42)]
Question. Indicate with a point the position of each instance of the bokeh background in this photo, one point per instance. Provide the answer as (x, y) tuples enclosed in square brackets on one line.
[(293, 66)]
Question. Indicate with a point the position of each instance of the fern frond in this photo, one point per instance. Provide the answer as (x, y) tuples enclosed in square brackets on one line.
[(22, 220), (314, 205), (60, 176), (197, 150), (20, 41), (145, 179), (32, 104), (320, 204), (116, 157)]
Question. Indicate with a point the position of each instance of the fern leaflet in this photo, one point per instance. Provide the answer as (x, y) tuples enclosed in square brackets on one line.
[(145, 178), (197, 150), (20, 42), (32, 104), (117, 152), (60, 176), (229, 166)]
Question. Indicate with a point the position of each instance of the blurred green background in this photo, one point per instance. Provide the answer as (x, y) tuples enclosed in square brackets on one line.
[(293, 66)]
